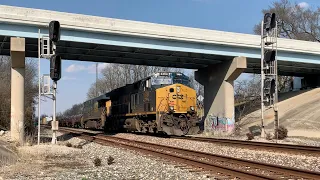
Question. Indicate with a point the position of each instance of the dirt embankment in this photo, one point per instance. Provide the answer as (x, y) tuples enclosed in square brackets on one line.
[(8, 154), (299, 112)]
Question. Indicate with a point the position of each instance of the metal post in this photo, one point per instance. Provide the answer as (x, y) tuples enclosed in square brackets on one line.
[(54, 97), (39, 95), (276, 118), (96, 79), (54, 135), (262, 81)]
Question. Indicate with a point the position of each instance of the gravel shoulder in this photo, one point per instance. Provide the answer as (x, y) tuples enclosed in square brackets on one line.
[(294, 140), (303, 161), (48, 161)]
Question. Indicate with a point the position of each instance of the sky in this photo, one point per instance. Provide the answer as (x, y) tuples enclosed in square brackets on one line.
[(225, 15)]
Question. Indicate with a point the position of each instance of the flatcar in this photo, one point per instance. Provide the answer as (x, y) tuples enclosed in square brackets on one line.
[(161, 103)]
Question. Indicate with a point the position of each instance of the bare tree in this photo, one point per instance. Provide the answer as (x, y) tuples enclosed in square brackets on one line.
[(31, 90), (295, 21), (74, 110), (247, 99), (117, 75), (196, 85)]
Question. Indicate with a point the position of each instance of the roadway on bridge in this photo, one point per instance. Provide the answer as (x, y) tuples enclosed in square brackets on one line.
[(91, 38)]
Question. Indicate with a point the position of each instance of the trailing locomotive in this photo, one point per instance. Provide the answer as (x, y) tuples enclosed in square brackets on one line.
[(161, 103)]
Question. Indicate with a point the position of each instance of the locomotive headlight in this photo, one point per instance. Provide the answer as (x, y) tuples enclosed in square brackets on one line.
[(171, 108), (178, 88), (192, 108)]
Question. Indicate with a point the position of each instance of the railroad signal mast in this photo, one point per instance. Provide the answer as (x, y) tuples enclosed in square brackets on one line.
[(47, 49), (269, 70)]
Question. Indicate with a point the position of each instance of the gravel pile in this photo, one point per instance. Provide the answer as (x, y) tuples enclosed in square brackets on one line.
[(303, 161), (62, 162)]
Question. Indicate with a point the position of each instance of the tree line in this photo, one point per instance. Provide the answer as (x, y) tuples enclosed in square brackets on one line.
[(30, 92), (118, 75)]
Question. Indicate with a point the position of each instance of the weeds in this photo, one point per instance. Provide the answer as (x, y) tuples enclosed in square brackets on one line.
[(250, 136), (78, 146), (30, 140), (69, 144), (110, 160), (269, 136), (282, 133), (97, 161)]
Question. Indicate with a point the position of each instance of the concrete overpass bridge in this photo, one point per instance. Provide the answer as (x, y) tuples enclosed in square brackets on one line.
[(219, 56), (91, 38)]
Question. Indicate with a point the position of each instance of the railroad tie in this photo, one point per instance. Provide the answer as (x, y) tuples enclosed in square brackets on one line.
[(196, 170)]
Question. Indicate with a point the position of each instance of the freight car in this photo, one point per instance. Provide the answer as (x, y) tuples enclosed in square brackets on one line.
[(161, 103), (70, 121)]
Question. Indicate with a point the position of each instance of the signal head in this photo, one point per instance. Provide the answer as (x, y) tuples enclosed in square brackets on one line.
[(54, 31), (55, 67), (269, 87), (269, 21), (269, 56)]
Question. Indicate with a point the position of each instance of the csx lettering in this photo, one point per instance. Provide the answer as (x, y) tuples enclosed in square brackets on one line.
[(180, 96), (174, 96)]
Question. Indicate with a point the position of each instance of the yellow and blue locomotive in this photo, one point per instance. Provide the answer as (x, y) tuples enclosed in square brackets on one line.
[(161, 103)]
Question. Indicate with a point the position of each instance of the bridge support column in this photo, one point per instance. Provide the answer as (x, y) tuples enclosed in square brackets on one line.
[(219, 93), (17, 51), (311, 81)]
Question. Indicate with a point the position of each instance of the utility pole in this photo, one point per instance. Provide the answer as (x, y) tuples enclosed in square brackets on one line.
[(39, 84), (54, 122), (269, 69)]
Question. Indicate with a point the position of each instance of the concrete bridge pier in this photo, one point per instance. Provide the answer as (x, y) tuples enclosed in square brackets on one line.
[(219, 93), (17, 52), (311, 81)]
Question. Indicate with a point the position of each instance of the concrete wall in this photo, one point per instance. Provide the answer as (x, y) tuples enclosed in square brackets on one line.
[(297, 83)]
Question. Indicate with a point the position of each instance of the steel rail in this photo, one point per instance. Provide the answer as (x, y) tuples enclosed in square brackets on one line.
[(260, 145)]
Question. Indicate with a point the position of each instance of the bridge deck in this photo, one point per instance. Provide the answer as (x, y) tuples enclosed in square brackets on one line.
[(91, 38)]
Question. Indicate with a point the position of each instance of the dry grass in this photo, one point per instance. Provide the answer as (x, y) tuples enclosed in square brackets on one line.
[(30, 140), (44, 158)]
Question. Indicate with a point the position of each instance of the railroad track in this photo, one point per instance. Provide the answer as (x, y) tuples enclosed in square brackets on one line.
[(221, 167), (259, 145), (299, 149)]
